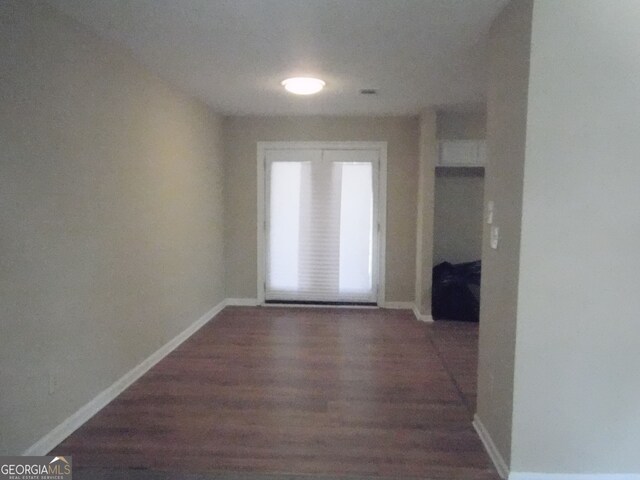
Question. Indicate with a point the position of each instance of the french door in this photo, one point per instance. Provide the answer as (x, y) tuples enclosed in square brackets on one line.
[(321, 224)]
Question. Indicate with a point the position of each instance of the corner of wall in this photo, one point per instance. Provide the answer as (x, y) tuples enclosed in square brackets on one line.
[(425, 202), (509, 51)]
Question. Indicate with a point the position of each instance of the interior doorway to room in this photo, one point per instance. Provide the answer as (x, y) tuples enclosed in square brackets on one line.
[(320, 225)]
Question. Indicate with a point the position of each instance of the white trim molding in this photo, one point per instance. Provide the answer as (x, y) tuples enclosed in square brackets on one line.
[(408, 306), (490, 447), (573, 476), (76, 420), (241, 302), (421, 317), (398, 305)]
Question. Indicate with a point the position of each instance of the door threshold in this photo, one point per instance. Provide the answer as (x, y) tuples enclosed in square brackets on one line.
[(318, 304)]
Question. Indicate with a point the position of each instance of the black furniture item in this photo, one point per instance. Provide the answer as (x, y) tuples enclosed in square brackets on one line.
[(452, 298)]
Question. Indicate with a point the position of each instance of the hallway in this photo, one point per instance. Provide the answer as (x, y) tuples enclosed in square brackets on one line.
[(274, 392)]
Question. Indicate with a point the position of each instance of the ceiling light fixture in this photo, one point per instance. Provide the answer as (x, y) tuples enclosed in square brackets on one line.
[(303, 85)]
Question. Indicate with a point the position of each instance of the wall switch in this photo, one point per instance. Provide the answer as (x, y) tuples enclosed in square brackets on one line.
[(495, 236), (53, 383), (490, 209)]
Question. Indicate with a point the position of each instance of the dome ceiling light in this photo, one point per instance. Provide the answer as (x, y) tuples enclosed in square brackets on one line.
[(303, 85)]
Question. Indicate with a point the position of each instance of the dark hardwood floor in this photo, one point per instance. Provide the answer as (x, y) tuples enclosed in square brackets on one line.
[(301, 391)]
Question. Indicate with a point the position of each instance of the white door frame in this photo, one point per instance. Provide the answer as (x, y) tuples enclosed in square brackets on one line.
[(380, 147)]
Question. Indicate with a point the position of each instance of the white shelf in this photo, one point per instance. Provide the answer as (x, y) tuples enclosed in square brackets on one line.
[(462, 153)]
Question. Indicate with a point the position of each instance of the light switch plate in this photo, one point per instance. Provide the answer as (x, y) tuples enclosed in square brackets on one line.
[(490, 210), (495, 236)]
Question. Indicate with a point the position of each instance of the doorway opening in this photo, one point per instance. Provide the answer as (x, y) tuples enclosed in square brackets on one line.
[(458, 216)]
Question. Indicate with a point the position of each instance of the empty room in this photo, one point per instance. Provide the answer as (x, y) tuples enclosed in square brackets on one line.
[(319, 239)]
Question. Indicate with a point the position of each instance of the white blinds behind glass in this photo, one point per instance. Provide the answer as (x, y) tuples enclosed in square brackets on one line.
[(320, 211)]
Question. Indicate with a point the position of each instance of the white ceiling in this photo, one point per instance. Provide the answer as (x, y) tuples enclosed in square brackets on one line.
[(234, 53)]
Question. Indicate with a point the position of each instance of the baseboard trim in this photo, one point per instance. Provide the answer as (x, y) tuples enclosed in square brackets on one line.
[(242, 302), (573, 476), (492, 450), (409, 306), (73, 422), (421, 317), (398, 305)]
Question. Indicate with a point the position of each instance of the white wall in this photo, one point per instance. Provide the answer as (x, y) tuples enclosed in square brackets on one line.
[(577, 353), (241, 137), (111, 238)]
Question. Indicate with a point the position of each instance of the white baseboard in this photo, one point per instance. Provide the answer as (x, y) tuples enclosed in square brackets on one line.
[(492, 450), (408, 306), (398, 305), (241, 302), (420, 317), (573, 476), (72, 423)]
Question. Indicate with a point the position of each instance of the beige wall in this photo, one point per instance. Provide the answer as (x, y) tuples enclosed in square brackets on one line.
[(461, 125), (241, 137), (457, 233), (111, 239), (506, 126), (577, 356)]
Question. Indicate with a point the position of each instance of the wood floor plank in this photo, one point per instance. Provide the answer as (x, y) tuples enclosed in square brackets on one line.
[(300, 391)]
